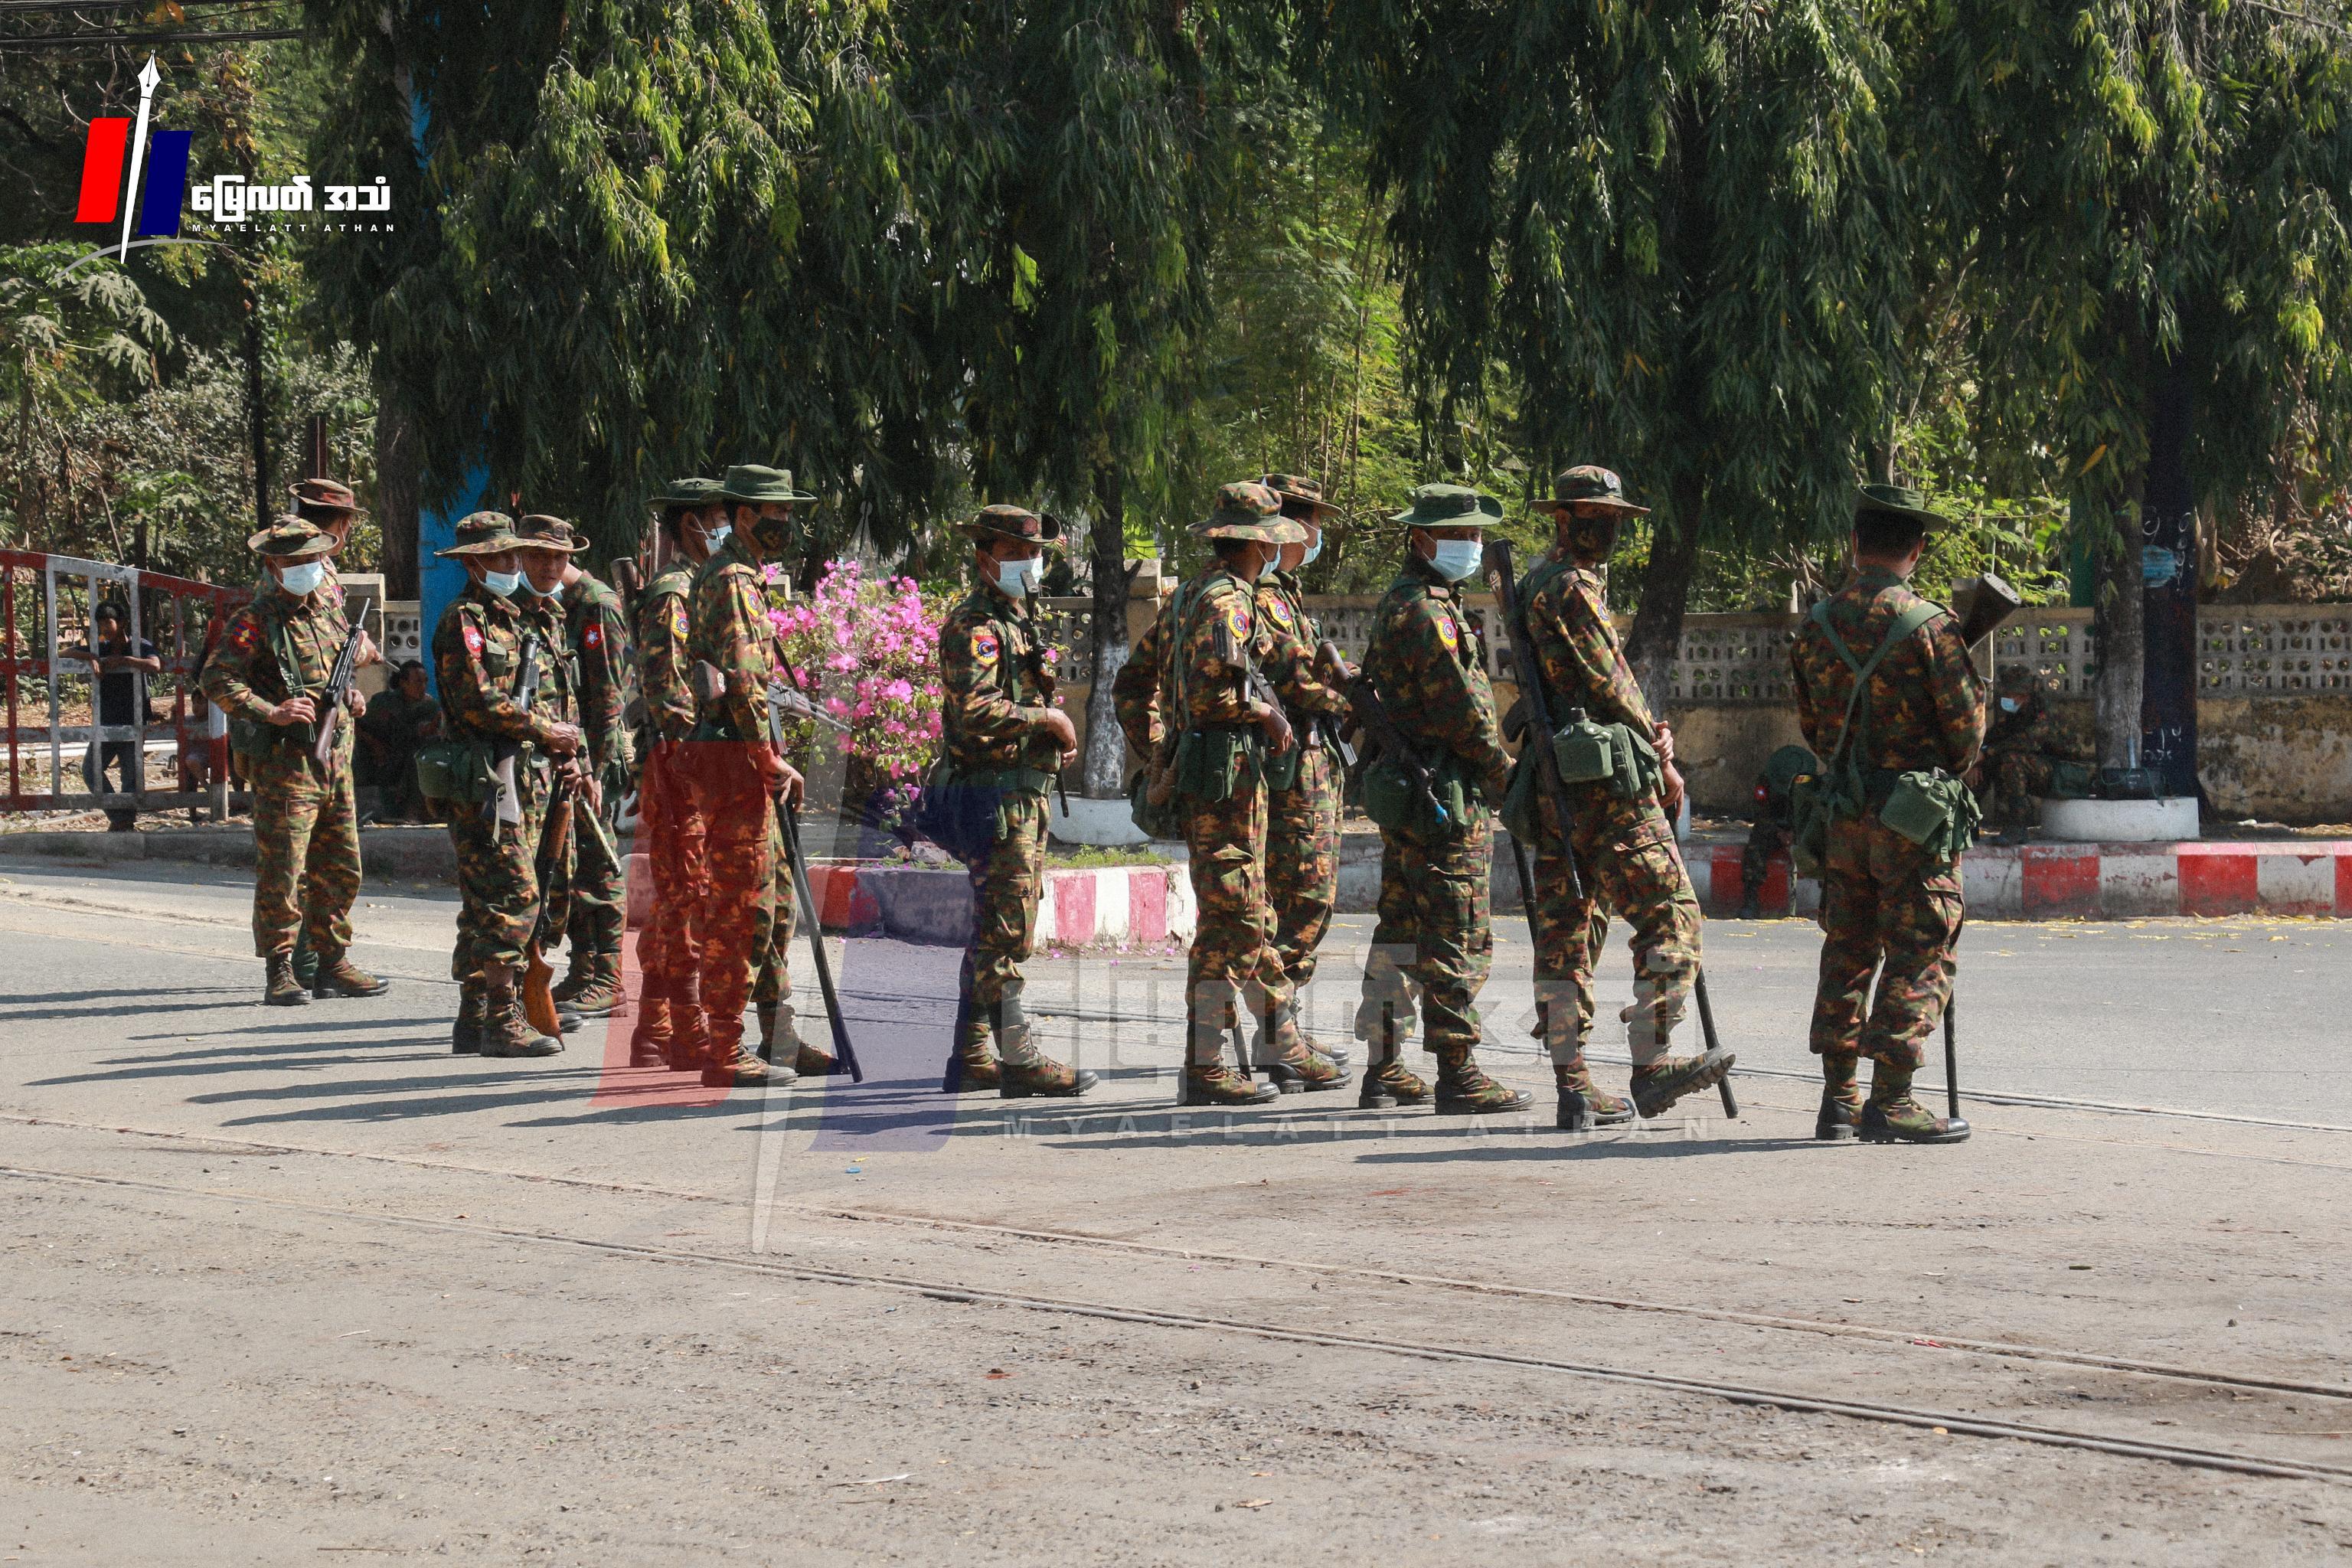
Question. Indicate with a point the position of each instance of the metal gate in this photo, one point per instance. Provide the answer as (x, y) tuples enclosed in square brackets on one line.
[(187, 618)]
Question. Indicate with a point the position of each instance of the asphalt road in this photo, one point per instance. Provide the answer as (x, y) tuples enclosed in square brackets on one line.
[(283, 1284)]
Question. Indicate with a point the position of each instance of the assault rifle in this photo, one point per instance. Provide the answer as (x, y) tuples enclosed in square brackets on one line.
[(1982, 604), (507, 804), (337, 693), (1371, 717), (788, 817), (551, 861)]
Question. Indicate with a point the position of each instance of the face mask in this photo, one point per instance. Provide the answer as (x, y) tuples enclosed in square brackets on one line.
[(502, 583), (301, 579), (1458, 558), (1019, 579), (712, 538), (546, 593), (1273, 564), (1312, 552), (2009, 704)]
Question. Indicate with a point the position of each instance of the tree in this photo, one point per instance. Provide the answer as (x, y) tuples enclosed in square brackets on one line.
[(2157, 196), (1669, 225)]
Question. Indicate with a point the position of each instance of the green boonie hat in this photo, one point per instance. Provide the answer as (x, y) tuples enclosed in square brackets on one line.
[(1247, 509), (687, 492), (539, 531), (1590, 485), (751, 483), (1900, 499), (1296, 490), (328, 495), (482, 534), (289, 537), (1003, 520), (2017, 678), (1449, 506)]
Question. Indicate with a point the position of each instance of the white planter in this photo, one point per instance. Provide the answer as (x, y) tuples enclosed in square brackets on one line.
[(1100, 821), (2173, 817)]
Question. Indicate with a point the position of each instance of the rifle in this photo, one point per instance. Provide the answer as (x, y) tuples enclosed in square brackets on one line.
[(507, 804), (337, 693), (554, 838), (843, 1052), (1371, 716), (1982, 604)]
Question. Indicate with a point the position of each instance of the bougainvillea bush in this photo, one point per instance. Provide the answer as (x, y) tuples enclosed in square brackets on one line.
[(867, 649)]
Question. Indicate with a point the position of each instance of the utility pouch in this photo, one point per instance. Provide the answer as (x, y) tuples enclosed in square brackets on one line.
[(1215, 763), (1520, 813), (1934, 810), (1152, 803), (1282, 772), (1396, 805), (963, 818), (1814, 804), (1586, 751), (455, 772), (1639, 774)]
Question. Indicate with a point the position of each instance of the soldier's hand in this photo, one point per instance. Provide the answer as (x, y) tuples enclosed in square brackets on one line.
[(358, 702), (787, 784), (1064, 734), (592, 791), (1276, 725), (294, 711), (1670, 792), (563, 739), (1665, 741)]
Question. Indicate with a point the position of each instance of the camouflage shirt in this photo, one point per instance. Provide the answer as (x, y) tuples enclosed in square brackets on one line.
[(1575, 642), (997, 691), (478, 660), (1429, 665), (274, 646), (662, 661), (559, 671), (1287, 638), (1925, 706), (728, 627), (599, 636), (1207, 656), (2032, 729)]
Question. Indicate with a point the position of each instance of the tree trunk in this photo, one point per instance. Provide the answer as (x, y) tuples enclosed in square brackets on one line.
[(1657, 633), (257, 402), (1103, 769), (2120, 621), (397, 480), (2167, 539)]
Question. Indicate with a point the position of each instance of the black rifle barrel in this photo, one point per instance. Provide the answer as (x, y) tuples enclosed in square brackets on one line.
[(1504, 586)]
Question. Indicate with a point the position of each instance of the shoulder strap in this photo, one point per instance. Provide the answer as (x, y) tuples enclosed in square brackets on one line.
[(1910, 621)]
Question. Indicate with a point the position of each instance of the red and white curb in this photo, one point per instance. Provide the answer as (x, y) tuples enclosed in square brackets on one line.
[(2095, 882)]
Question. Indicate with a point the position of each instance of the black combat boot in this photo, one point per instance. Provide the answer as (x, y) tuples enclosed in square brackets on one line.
[(1465, 1090), (1892, 1116), (1841, 1114), (280, 988), (1208, 1082), (465, 1034), (1583, 1104)]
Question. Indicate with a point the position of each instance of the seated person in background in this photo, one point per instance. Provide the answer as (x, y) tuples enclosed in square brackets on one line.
[(1768, 832), (122, 700), (393, 726), (2021, 742)]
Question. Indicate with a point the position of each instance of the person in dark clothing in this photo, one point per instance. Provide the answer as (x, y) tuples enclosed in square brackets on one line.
[(1767, 833), (395, 725), (122, 671)]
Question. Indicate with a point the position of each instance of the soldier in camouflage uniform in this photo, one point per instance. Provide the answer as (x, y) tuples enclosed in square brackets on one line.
[(732, 768), (329, 507), (1185, 700), (669, 1024), (1429, 667), (1623, 849), (1884, 898), (1302, 819), (1001, 741), (544, 546), (478, 652), (598, 634), (266, 675), (2021, 747)]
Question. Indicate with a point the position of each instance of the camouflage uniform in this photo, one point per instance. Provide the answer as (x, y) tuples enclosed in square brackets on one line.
[(1883, 897), (1302, 837), (997, 699), (598, 634), (669, 824), (2020, 749), (305, 817)]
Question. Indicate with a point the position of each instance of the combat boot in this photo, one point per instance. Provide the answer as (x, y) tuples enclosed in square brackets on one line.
[(306, 963), (1657, 1086), (1582, 1103), (1208, 1082), (280, 988), (729, 1066), (1465, 1090), (599, 995), (575, 975), (465, 1034), (341, 977), (1892, 1116), (1840, 1099), (1387, 1085), (1291, 1063), (506, 1034), (780, 1040), (650, 1038), (972, 1066), (689, 1030), (1024, 1072)]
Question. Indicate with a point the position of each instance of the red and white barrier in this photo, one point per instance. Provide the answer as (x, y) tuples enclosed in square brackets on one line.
[(2095, 882)]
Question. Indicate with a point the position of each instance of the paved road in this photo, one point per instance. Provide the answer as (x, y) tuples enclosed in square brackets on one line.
[(285, 1283)]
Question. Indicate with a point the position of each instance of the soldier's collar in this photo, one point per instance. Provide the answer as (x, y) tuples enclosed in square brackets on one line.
[(1876, 576)]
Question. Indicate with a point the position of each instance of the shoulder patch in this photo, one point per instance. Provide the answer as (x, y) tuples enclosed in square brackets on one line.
[(985, 646), (1237, 622), (678, 618), (593, 636), (1280, 612), (1446, 634), (473, 639)]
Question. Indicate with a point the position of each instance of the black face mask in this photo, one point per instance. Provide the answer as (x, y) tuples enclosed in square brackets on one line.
[(771, 534), (1593, 538)]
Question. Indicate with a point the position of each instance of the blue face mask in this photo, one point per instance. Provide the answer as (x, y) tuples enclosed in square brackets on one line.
[(302, 577), (712, 538), (1019, 579), (1458, 558), (1312, 552), (502, 583), (546, 593)]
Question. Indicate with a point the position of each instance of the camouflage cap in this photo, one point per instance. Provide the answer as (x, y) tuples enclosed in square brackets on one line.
[(2017, 678), (751, 483), (537, 530), (1247, 509), (1004, 521), (291, 538), (482, 534), (325, 495), (1589, 484), (687, 492), (1901, 500), (1449, 506), (1297, 490)]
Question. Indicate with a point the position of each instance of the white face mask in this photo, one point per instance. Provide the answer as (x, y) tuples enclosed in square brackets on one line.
[(502, 583), (1021, 578), (1458, 558), (546, 593), (302, 577), (2009, 704)]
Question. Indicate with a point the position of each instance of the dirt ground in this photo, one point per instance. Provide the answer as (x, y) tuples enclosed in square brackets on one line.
[(284, 1287)]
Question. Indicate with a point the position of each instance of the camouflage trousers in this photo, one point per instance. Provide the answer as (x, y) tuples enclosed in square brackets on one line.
[(1435, 931), (1233, 967), (1005, 886), (739, 824), (1626, 857), (1302, 863), (771, 929), (599, 900), (2012, 782), (672, 832), (498, 877), (1883, 897), (306, 838)]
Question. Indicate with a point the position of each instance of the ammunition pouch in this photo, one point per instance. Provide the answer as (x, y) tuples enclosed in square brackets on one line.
[(1152, 803), (1216, 761), (1934, 810), (962, 811), (1396, 805), (455, 772), (1618, 755)]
